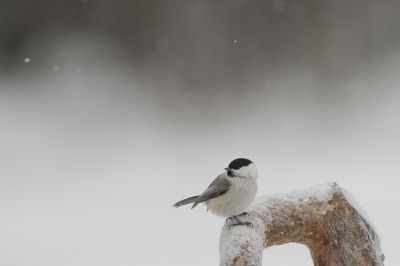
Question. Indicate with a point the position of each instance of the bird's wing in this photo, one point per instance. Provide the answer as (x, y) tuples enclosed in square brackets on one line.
[(218, 187)]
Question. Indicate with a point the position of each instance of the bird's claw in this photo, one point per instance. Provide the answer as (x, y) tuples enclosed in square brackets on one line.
[(245, 223), (240, 215)]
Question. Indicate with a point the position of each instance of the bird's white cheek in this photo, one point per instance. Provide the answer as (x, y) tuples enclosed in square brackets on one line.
[(249, 171)]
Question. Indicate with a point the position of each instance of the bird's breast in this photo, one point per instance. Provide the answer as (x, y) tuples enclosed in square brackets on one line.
[(240, 195)]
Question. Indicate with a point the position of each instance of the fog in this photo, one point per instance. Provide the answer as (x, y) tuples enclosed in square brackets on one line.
[(111, 111)]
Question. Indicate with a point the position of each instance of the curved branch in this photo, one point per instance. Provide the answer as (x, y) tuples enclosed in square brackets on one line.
[(325, 218)]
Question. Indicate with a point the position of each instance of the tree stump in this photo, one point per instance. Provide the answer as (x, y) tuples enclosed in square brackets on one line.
[(325, 218)]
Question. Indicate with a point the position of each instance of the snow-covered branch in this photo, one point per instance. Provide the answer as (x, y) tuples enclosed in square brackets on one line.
[(325, 218)]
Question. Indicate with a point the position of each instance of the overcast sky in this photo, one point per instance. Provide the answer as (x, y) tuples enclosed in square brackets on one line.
[(113, 111)]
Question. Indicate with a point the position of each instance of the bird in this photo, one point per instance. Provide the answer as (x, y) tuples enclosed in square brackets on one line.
[(231, 193)]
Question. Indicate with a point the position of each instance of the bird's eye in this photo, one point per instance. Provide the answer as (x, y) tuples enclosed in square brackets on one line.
[(230, 173)]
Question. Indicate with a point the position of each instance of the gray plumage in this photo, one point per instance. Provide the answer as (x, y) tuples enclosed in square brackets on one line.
[(218, 187), (185, 201)]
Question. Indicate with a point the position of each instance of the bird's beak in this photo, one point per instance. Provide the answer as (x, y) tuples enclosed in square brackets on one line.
[(227, 169)]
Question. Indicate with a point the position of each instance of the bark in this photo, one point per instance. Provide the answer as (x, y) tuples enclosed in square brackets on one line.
[(320, 217)]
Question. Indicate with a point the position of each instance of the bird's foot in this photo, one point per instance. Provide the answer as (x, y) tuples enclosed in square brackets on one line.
[(234, 217), (241, 223)]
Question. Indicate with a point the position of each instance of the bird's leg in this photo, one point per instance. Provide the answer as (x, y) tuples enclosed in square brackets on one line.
[(239, 222), (232, 217)]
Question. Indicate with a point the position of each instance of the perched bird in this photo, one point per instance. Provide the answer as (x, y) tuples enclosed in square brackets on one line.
[(231, 192)]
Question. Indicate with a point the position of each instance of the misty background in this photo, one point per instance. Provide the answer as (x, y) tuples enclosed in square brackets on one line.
[(112, 110)]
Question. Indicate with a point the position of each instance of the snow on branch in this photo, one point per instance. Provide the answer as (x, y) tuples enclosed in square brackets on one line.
[(325, 218)]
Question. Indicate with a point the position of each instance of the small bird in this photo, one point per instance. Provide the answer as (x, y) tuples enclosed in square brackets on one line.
[(230, 193)]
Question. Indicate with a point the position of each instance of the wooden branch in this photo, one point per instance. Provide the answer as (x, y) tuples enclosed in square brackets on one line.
[(325, 218)]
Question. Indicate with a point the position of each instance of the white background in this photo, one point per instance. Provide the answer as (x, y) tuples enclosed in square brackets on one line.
[(91, 161), (111, 111)]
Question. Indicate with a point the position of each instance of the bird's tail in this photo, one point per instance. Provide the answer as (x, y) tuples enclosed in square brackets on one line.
[(185, 201)]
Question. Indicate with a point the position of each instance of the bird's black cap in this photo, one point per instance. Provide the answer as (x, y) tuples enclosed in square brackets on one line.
[(238, 163)]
